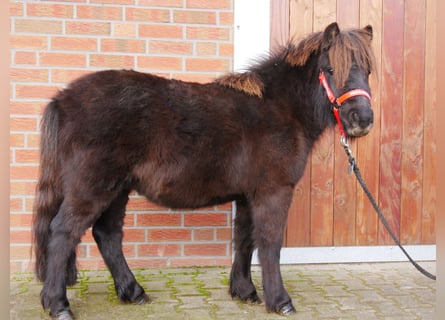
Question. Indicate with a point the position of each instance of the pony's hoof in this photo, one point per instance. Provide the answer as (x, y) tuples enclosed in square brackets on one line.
[(253, 299), (142, 299), (286, 309), (64, 315)]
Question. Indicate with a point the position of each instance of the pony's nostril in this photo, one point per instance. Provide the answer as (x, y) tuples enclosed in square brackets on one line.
[(354, 117)]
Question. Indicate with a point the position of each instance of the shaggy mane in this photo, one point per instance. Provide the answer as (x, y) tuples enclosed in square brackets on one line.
[(347, 46)]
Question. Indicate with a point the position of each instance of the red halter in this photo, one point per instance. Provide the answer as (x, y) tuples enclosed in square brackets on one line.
[(337, 102)]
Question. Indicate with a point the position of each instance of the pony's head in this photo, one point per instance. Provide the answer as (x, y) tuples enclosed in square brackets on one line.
[(344, 60)]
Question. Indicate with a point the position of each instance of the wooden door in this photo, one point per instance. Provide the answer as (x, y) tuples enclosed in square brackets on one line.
[(397, 159)]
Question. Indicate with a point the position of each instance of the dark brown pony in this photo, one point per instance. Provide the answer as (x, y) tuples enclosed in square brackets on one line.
[(244, 138)]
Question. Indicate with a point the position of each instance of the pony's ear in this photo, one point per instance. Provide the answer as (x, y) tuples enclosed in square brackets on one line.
[(329, 35), (368, 29)]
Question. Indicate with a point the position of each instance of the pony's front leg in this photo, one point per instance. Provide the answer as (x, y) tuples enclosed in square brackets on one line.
[(270, 216), (241, 285)]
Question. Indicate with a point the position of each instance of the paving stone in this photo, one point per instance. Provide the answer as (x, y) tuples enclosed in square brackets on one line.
[(343, 291)]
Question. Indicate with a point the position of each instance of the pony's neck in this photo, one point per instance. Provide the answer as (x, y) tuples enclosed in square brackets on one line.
[(297, 89)]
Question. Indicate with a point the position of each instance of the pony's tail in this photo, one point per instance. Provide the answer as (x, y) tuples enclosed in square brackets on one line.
[(48, 191)]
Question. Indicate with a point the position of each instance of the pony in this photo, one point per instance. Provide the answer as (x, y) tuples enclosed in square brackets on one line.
[(244, 137)]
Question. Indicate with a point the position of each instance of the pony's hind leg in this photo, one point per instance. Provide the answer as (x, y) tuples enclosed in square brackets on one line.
[(241, 285), (66, 230), (107, 232)]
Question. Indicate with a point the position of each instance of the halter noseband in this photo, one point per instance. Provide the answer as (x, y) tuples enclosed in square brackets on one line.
[(337, 102)]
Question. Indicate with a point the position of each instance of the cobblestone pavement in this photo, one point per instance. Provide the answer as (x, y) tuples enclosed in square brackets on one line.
[(340, 291)]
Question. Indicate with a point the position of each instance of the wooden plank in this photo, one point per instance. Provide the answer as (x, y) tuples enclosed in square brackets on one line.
[(301, 18), (412, 125), (368, 148), (279, 23), (298, 231), (391, 116), (344, 184), (322, 156), (429, 201)]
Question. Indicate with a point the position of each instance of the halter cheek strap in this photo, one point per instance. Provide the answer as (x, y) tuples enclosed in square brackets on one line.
[(337, 102)]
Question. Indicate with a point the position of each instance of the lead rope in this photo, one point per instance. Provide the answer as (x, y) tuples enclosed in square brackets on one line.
[(354, 168)]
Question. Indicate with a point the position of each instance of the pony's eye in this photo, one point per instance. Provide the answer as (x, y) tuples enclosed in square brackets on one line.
[(330, 70)]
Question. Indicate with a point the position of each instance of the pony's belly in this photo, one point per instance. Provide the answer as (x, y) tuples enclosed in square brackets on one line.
[(174, 187)]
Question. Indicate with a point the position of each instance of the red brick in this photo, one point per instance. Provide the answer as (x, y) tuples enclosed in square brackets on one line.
[(206, 4), (159, 219), (25, 58), (74, 44), (88, 236), (205, 219), (208, 33), (207, 234), (114, 1), (226, 49), (134, 235), (226, 18), (160, 63), (62, 59), (224, 234), (158, 250), (22, 252), (36, 91), (24, 172), (224, 206), (29, 204), (125, 30), (129, 220), (23, 124), (194, 17), (38, 26), (67, 75), (195, 77), (16, 205), (160, 31), (91, 264), (20, 220), (111, 61), (27, 156), (33, 140), (28, 75), (28, 42), (173, 47), (16, 140), (128, 250), (189, 262), (122, 45), (207, 64), (223, 262), (22, 188), (206, 48), (152, 15), (161, 3), (91, 28), (99, 12), (49, 10), (207, 249), (140, 203), (26, 107), (20, 236), (169, 235), (147, 263), (16, 9)]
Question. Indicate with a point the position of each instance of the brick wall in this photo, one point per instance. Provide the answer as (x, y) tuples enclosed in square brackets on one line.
[(53, 42)]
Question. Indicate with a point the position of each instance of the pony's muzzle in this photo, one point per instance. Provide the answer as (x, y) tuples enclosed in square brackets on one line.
[(359, 121)]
